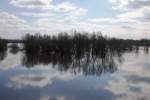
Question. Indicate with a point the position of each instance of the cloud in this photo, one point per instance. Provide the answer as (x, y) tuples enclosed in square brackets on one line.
[(138, 15), (71, 9), (133, 82), (133, 17), (117, 4), (65, 7), (38, 15), (46, 77), (31, 3), (124, 25), (45, 24), (9, 62), (67, 24), (46, 97), (47, 9), (101, 20), (80, 12), (119, 26), (134, 4), (10, 24), (10, 18), (133, 9), (49, 17), (31, 80), (129, 4)]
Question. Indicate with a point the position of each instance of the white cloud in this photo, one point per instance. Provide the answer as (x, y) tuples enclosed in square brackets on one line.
[(121, 26), (117, 4), (65, 7), (132, 83), (10, 62), (11, 25), (67, 24), (31, 3), (134, 16), (138, 14), (134, 4), (46, 97), (129, 4), (9, 18), (80, 12), (47, 9), (38, 15), (31, 80), (46, 77), (65, 16), (133, 9)]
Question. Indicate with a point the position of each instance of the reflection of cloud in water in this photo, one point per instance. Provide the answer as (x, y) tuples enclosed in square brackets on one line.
[(138, 79), (38, 79), (46, 97), (132, 82), (31, 80), (125, 90), (11, 61), (76, 89)]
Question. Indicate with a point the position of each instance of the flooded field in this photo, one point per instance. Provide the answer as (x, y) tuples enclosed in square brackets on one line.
[(66, 76)]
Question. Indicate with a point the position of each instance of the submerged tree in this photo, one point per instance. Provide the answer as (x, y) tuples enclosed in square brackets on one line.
[(89, 54)]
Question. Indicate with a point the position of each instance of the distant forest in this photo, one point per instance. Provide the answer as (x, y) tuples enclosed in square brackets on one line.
[(82, 39)]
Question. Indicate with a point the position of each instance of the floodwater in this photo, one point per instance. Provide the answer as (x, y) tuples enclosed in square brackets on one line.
[(124, 78)]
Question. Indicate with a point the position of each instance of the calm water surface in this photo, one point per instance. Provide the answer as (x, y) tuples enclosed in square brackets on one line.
[(129, 79)]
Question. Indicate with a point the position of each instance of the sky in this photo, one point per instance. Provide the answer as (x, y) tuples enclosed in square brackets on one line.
[(114, 18)]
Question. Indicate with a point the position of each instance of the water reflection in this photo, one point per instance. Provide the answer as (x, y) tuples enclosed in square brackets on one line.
[(3, 50), (91, 61), (3, 54), (146, 50), (60, 75), (14, 48), (78, 61)]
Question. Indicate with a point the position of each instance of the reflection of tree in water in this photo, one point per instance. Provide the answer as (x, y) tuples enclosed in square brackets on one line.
[(14, 48), (3, 49), (146, 50), (93, 62), (80, 53), (88, 54), (3, 54)]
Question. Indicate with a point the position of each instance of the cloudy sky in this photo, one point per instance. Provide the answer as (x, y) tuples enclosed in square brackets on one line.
[(115, 18)]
